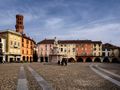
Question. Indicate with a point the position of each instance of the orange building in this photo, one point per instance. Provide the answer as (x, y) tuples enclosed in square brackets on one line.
[(84, 51), (28, 44), (85, 48)]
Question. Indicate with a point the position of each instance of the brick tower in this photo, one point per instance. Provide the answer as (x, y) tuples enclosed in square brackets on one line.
[(19, 24)]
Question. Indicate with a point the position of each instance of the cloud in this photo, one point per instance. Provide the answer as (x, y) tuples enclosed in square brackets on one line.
[(65, 19)]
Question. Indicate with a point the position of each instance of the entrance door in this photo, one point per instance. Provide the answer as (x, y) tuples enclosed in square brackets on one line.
[(1, 58), (41, 59), (46, 59)]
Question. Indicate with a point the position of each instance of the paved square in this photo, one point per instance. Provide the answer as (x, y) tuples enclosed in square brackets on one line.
[(75, 76)]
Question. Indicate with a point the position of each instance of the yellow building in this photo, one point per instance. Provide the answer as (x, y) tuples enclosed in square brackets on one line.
[(97, 48), (68, 49), (13, 45)]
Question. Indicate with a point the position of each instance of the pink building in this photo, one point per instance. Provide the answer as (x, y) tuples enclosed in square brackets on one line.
[(44, 49)]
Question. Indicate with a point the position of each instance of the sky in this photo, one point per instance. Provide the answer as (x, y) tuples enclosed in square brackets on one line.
[(97, 20)]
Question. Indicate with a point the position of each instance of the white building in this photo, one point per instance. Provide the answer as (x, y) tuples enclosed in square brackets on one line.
[(2, 48)]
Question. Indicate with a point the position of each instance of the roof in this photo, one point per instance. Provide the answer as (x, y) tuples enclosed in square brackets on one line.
[(10, 31), (73, 41), (16, 33), (46, 41), (51, 41), (110, 46), (25, 36), (99, 42)]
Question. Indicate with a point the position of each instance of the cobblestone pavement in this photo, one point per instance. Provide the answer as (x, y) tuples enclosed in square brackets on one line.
[(75, 76), (115, 68), (32, 83), (9, 76)]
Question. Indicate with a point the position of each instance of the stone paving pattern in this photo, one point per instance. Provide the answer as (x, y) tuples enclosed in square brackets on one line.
[(76, 76), (115, 68), (32, 83), (9, 76)]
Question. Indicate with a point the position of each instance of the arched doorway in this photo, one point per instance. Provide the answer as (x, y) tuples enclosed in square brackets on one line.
[(41, 59), (71, 60), (106, 59), (88, 60), (11, 59), (1, 58), (23, 58), (46, 59), (115, 60), (30, 59), (97, 60), (79, 60), (27, 58)]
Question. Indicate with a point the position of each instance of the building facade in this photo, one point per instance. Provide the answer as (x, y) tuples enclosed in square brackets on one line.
[(67, 48), (27, 49), (19, 47), (44, 49), (13, 46), (73, 50), (27, 44), (97, 48), (2, 48), (111, 53)]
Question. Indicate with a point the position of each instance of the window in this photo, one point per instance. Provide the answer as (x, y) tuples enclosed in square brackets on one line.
[(99, 45), (27, 46), (61, 49), (11, 42), (108, 49), (15, 43), (65, 50), (46, 47), (27, 41), (99, 54), (103, 54), (22, 40), (99, 49), (1, 46), (103, 49), (94, 45), (95, 49), (22, 51), (18, 44), (22, 44), (73, 49), (27, 51)]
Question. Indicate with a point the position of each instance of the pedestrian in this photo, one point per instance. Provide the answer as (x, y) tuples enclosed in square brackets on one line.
[(62, 62), (58, 62), (65, 62), (3, 60)]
